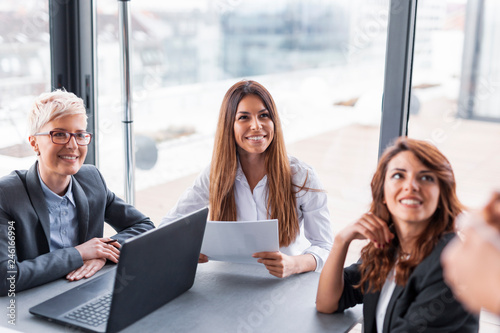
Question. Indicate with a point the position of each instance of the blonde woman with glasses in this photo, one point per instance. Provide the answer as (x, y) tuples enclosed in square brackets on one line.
[(52, 215)]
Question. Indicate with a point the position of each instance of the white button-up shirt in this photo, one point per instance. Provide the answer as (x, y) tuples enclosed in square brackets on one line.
[(312, 211), (384, 299)]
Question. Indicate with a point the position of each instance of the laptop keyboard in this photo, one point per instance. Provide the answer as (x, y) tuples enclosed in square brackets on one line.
[(94, 313)]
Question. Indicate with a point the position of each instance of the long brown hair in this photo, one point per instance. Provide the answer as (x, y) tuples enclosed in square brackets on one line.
[(377, 263), (281, 203)]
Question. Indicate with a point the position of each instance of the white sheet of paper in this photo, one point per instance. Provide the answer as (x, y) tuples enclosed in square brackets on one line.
[(237, 241)]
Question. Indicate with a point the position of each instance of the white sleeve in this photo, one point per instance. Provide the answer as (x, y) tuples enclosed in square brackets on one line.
[(316, 218), (194, 198)]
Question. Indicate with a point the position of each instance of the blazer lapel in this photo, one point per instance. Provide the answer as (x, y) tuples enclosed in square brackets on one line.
[(37, 198), (390, 307), (370, 301), (82, 210)]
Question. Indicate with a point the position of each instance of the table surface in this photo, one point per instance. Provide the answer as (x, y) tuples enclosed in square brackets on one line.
[(225, 297)]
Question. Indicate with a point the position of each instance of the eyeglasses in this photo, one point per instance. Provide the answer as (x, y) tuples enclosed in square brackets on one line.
[(62, 138)]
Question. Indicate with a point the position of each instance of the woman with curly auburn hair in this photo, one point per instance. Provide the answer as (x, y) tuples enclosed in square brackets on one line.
[(251, 177), (399, 277)]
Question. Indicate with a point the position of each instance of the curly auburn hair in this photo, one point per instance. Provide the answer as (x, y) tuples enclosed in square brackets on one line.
[(377, 263)]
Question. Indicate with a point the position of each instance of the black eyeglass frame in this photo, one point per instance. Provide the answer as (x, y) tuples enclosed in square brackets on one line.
[(51, 133)]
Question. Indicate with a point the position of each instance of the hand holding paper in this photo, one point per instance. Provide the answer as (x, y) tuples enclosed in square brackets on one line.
[(238, 241)]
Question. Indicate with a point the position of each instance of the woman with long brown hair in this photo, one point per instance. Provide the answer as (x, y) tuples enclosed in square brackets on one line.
[(251, 177), (399, 277)]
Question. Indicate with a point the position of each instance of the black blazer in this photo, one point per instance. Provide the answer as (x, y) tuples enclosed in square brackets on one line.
[(22, 202), (424, 304)]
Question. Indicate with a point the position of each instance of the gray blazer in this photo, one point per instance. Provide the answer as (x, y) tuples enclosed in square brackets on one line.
[(23, 206), (424, 304)]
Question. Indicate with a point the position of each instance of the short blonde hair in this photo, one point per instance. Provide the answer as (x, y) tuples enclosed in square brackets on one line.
[(53, 105)]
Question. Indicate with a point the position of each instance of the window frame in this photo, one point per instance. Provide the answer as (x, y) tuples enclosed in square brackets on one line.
[(398, 71), (73, 55)]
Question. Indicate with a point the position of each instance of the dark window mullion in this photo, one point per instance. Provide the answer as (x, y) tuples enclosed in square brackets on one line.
[(72, 43), (398, 71)]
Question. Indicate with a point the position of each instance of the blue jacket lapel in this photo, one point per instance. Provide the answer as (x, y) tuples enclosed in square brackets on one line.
[(37, 198), (82, 210)]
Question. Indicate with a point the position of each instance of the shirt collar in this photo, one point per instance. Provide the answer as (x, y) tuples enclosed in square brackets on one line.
[(53, 197), (239, 171), (240, 176)]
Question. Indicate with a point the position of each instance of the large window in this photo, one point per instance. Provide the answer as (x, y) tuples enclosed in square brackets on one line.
[(456, 89), (24, 74), (323, 62)]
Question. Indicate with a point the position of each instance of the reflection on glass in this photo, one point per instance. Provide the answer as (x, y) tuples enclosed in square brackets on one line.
[(446, 60), (323, 62), (24, 74), (483, 93)]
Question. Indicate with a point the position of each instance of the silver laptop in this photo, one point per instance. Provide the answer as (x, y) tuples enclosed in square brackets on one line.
[(154, 268)]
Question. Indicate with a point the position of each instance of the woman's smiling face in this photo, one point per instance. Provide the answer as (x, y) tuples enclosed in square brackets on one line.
[(253, 127), (58, 162), (411, 190)]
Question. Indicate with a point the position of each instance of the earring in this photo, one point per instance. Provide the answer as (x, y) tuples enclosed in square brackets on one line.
[(37, 153)]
